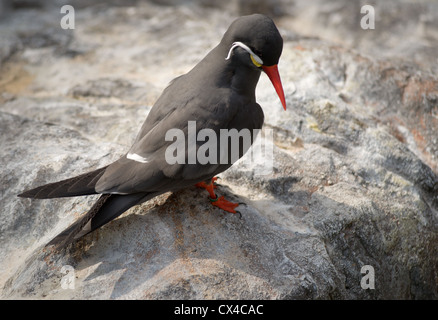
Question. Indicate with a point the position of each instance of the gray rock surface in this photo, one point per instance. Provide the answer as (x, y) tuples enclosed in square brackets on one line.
[(355, 155)]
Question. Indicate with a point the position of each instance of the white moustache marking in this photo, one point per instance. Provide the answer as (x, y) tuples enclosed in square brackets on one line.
[(135, 157), (246, 48)]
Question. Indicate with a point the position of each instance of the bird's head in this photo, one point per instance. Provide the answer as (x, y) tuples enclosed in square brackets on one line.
[(256, 42)]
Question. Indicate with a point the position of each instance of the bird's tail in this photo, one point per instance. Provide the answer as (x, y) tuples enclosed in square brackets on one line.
[(78, 186), (107, 208)]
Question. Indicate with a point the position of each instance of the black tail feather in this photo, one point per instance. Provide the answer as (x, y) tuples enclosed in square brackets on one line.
[(77, 186), (107, 208)]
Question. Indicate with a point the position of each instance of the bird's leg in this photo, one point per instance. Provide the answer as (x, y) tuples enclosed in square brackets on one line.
[(224, 204), (209, 187), (219, 202)]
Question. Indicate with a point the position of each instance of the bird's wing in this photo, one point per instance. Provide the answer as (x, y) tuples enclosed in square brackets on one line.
[(162, 107), (144, 168), (77, 186)]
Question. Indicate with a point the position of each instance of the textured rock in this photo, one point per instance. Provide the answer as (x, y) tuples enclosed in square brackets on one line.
[(355, 156)]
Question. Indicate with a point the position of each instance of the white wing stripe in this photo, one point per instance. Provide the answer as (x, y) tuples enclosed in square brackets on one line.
[(137, 158)]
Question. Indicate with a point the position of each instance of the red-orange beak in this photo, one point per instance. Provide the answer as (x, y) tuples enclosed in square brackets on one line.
[(274, 76)]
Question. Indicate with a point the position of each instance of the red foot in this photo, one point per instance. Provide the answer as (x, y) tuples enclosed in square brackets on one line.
[(218, 202), (224, 204)]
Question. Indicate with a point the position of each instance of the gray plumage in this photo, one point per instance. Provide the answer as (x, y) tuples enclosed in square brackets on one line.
[(217, 94)]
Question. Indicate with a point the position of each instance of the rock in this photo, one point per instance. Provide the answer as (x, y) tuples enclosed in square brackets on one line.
[(354, 181), (403, 31)]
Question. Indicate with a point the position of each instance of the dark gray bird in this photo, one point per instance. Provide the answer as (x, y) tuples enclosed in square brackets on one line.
[(218, 93)]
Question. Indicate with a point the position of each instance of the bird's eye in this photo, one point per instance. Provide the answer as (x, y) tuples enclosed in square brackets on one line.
[(254, 60)]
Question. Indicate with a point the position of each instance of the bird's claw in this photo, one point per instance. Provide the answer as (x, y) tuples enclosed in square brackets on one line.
[(224, 204), (219, 202), (215, 184)]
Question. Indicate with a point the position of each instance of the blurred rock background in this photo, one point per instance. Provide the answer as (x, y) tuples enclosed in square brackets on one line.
[(355, 179)]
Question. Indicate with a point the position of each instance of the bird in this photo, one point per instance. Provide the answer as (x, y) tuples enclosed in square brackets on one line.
[(216, 94)]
